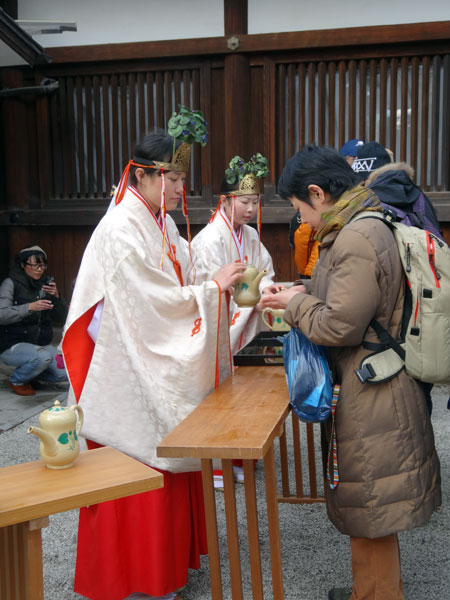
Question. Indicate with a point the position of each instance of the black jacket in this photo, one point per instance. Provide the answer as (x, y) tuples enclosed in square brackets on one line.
[(17, 323), (395, 188)]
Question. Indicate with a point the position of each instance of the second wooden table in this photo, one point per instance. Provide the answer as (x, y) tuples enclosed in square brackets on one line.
[(239, 419)]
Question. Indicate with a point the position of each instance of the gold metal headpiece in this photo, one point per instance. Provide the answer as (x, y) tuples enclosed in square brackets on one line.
[(248, 186), (180, 160)]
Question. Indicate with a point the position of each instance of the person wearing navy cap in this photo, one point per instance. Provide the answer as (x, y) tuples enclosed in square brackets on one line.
[(369, 157), (350, 148)]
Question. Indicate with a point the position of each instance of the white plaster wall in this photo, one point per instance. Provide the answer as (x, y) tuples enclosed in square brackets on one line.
[(269, 16), (116, 21), (8, 57)]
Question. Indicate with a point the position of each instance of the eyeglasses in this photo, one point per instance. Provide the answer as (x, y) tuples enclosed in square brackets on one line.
[(37, 266)]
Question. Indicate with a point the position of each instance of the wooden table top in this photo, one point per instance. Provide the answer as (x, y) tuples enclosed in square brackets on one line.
[(239, 419), (32, 490)]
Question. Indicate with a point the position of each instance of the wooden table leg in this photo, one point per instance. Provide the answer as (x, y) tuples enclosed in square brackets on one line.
[(284, 464), (297, 457), (234, 557), (211, 529), (21, 576), (274, 525), (253, 530)]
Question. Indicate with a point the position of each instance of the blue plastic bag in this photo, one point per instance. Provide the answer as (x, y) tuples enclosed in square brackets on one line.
[(308, 377)]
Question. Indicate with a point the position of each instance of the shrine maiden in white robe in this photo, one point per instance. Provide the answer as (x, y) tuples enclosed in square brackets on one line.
[(215, 246), (160, 347)]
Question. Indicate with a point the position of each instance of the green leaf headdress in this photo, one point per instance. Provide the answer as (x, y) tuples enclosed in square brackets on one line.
[(187, 126), (247, 174)]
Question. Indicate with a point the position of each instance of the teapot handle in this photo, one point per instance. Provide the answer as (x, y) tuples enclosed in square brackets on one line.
[(77, 408), (266, 310)]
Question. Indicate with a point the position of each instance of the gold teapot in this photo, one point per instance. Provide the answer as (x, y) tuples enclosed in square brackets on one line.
[(246, 290), (59, 430)]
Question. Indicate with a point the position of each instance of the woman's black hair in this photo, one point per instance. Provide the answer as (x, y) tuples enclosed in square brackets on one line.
[(158, 146), (226, 188), (316, 165)]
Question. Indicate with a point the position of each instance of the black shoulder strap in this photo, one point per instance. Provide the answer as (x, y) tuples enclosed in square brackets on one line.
[(386, 338), (387, 341)]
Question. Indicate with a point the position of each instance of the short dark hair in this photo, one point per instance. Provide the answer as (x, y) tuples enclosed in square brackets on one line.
[(226, 188), (157, 145), (316, 165)]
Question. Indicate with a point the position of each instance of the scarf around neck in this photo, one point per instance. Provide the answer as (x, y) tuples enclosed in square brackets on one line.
[(349, 204)]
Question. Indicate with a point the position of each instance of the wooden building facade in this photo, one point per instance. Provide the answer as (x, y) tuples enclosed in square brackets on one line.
[(273, 93)]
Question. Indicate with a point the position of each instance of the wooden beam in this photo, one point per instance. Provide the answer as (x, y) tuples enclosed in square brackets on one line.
[(278, 212), (237, 83), (236, 16), (21, 42), (264, 42), (237, 91), (15, 141)]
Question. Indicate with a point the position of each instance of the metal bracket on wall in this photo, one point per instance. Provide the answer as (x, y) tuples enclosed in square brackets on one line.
[(233, 43), (47, 86)]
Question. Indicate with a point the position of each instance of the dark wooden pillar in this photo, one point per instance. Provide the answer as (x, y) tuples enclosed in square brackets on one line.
[(14, 139), (237, 83)]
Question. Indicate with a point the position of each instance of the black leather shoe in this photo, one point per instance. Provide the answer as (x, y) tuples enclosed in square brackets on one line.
[(339, 594)]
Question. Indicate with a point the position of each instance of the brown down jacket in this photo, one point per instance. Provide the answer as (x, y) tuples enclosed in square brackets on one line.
[(388, 466)]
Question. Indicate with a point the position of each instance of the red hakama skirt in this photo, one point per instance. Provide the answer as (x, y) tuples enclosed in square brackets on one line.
[(143, 543)]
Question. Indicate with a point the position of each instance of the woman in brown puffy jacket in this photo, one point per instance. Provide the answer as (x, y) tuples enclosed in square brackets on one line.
[(388, 467)]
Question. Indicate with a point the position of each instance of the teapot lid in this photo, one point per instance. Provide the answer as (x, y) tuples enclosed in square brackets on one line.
[(56, 407), (57, 414)]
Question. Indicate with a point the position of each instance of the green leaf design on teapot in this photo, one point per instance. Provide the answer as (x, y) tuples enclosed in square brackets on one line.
[(63, 438), (68, 438)]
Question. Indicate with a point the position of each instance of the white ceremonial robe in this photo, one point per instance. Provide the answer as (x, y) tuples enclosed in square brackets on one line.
[(213, 247), (154, 358)]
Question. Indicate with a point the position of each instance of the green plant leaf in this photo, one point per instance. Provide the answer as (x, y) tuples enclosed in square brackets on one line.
[(175, 131)]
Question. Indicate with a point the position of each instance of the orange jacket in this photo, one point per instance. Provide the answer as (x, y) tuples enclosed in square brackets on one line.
[(306, 249)]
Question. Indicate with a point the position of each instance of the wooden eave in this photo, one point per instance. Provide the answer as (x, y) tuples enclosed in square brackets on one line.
[(22, 43), (264, 42)]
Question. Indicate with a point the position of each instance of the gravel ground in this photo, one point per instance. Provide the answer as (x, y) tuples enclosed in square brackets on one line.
[(315, 556)]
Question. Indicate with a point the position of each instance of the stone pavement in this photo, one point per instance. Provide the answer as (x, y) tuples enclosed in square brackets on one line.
[(16, 409), (315, 555)]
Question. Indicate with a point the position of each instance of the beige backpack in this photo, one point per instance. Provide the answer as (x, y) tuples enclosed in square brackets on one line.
[(424, 347)]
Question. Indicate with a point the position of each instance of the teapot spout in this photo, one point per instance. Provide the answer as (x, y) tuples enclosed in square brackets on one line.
[(254, 286), (47, 440)]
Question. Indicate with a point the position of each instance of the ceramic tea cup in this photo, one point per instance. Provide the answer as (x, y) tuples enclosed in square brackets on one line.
[(276, 322)]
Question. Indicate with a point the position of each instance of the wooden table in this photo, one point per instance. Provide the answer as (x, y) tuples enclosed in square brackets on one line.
[(239, 419), (30, 492)]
